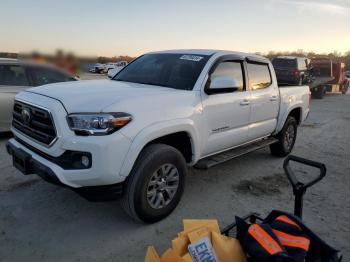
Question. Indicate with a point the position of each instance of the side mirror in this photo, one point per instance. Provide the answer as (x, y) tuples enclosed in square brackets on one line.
[(221, 84)]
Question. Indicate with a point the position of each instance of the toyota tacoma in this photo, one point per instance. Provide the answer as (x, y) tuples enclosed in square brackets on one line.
[(133, 136)]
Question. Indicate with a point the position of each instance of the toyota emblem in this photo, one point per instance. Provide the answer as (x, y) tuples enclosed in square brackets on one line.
[(26, 116)]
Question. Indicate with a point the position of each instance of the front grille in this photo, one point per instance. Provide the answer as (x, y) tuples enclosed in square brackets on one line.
[(34, 122)]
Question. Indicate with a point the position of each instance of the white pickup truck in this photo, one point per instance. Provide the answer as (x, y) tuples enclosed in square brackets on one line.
[(134, 136), (113, 68)]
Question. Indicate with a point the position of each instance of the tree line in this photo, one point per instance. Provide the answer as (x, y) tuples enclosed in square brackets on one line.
[(337, 56)]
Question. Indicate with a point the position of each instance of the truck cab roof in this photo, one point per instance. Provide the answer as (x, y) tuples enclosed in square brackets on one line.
[(211, 52)]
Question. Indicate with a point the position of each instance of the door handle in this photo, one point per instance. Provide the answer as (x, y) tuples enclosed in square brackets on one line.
[(273, 98), (245, 102)]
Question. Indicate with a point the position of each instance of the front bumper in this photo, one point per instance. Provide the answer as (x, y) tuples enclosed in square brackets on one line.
[(107, 157), (106, 153), (30, 164)]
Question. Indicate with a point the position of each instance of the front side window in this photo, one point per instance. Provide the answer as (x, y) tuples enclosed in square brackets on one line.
[(231, 70), (43, 76), (179, 71), (13, 75), (259, 76)]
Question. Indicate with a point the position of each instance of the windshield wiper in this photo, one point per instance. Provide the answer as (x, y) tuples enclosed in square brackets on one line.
[(142, 83), (153, 84)]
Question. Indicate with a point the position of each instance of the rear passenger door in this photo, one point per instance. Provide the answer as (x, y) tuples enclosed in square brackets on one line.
[(13, 79), (264, 100)]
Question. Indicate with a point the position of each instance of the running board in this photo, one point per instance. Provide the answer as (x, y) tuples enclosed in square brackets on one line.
[(214, 160)]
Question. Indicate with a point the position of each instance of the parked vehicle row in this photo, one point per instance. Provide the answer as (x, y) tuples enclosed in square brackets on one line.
[(321, 74), (329, 76), (16, 76), (134, 136), (110, 68), (98, 68), (291, 70)]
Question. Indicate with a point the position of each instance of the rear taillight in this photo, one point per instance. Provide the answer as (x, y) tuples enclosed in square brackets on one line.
[(296, 72)]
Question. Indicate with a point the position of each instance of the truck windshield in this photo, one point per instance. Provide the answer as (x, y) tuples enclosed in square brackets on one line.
[(287, 63), (179, 71)]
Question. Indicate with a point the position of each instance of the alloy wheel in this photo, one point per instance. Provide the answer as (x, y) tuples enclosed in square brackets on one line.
[(162, 186)]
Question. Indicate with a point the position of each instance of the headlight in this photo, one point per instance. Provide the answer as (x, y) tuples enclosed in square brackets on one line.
[(98, 123)]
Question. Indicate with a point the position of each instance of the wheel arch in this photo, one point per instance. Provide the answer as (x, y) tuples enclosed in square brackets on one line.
[(179, 134), (297, 114), (296, 111)]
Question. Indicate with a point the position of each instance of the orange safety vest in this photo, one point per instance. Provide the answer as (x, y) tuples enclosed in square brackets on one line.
[(282, 240)]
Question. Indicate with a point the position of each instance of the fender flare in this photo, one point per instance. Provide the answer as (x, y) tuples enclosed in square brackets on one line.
[(155, 131), (286, 114)]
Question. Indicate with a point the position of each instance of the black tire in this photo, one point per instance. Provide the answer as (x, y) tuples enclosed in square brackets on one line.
[(344, 89), (152, 158), (319, 93), (282, 148)]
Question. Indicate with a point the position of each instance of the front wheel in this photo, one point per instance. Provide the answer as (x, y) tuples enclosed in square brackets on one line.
[(286, 138), (156, 183)]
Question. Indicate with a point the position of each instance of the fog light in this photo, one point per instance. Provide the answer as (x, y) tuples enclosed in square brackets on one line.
[(85, 161)]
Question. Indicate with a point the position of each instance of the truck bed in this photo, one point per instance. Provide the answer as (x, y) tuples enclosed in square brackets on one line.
[(289, 97), (322, 80)]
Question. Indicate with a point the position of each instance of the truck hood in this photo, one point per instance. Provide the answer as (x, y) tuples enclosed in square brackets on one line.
[(96, 95)]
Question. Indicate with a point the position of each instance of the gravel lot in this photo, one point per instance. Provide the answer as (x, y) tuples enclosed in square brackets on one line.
[(43, 222)]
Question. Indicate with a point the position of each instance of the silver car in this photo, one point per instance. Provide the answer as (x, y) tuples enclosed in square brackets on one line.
[(16, 76)]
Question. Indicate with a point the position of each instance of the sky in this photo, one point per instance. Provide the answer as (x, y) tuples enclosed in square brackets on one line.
[(133, 27)]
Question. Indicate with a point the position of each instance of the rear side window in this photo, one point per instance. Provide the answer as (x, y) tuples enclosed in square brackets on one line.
[(13, 75), (43, 76), (259, 76), (284, 63), (301, 63), (231, 70)]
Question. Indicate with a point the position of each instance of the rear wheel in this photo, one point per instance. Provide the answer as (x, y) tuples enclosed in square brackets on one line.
[(319, 92), (156, 183), (286, 138), (344, 88)]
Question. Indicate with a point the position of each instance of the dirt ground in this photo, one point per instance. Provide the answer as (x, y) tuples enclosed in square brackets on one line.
[(43, 222)]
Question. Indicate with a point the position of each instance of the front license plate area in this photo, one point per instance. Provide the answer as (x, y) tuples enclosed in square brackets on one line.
[(21, 161)]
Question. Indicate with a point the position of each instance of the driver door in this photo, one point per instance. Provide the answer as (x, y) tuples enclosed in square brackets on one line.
[(226, 112)]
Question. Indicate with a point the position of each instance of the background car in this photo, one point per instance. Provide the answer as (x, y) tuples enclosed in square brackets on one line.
[(16, 76), (116, 66), (347, 73), (291, 70), (98, 68)]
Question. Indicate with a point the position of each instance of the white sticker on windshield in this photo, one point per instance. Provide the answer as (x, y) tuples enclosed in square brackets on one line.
[(192, 58)]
